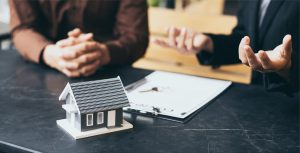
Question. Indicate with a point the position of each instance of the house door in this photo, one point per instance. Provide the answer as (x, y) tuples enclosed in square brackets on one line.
[(111, 118)]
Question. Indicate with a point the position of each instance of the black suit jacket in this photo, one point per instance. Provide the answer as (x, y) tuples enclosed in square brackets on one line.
[(281, 18)]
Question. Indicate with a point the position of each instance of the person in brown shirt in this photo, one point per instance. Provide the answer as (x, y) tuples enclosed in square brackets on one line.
[(77, 37)]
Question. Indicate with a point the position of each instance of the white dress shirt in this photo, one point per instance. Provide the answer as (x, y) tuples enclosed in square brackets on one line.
[(263, 9)]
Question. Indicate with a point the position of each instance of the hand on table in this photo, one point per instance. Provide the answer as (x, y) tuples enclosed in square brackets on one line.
[(78, 55), (276, 60), (186, 41)]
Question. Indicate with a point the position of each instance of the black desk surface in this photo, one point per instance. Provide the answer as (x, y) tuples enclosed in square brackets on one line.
[(244, 119), (4, 31)]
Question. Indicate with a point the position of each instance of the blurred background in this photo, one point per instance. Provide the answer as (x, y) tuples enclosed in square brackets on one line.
[(186, 12), (4, 11), (206, 16), (227, 7)]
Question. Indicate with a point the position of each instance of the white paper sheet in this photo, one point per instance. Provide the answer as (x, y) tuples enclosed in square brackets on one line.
[(178, 95)]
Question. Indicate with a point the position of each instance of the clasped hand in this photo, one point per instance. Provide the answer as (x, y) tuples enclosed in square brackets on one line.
[(78, 55)]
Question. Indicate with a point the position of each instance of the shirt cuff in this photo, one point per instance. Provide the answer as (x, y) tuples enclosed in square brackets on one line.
[(204, 57)]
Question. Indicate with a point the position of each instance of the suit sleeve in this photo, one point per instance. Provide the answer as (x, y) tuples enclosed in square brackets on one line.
[(274, 82), (225, 46), (131, 31), (23, 24)]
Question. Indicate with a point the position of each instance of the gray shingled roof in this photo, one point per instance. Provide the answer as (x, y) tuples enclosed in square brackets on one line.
[(100, 95)]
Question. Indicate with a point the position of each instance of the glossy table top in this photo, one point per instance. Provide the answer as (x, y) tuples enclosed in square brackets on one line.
[(242, 119)]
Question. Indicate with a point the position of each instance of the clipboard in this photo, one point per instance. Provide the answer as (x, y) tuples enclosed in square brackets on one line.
[(163, 95)]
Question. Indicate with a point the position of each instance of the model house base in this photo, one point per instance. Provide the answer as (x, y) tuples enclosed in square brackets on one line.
[(76, 134)]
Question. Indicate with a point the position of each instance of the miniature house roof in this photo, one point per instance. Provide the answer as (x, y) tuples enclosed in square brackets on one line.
[(99, 95)]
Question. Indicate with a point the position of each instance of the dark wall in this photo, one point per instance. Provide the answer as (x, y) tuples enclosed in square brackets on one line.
[(119, 120), (95, 125), (119, 117)]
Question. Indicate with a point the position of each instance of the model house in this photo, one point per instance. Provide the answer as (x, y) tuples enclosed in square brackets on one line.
[(94, 107)]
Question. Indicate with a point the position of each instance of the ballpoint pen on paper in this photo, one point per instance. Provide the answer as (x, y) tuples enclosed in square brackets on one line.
[(154, 89), (135, 85)]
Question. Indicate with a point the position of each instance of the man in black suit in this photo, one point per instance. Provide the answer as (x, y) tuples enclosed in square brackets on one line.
[(261, 40)]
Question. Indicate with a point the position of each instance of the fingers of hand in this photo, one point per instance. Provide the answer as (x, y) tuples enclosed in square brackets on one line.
[(85, 65), (74, 33), (242, 53), (181, 38), (265, 60), (75, 40), (161, 42), (241, 47), (200, 41), (172, 34), (88, 58), (79, 49), (91, 68), (71, 73), (70, 65), (69, 54), (252, 59), (247, 40), (66, 42), (189, 41), (287, 46), (86, 37)]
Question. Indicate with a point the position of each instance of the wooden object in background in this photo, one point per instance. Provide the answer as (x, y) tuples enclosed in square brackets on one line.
[(158, 58), (160, 19), (205, 7)]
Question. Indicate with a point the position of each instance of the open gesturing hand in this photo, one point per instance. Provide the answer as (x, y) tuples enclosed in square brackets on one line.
[(276, 60), (186, 41)]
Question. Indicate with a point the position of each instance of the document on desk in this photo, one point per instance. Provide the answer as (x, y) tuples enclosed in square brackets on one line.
[(173, 95)]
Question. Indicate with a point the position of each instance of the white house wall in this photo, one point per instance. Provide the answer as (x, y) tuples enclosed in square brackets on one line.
[(78, 121), (65, 92), (74, 100), (68, 115)]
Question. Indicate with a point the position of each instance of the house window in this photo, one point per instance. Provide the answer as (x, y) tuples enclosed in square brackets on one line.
[(100, 118), (89, 119)]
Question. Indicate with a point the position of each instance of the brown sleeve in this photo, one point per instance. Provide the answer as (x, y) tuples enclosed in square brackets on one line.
[(23, 24), (132, 32)]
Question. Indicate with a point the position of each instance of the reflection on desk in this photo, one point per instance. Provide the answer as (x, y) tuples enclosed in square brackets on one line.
[(245, 118)]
